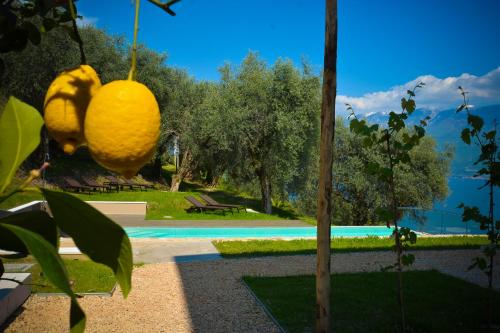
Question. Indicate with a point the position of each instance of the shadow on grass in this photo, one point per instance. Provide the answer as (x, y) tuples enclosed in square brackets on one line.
[(366, 302)]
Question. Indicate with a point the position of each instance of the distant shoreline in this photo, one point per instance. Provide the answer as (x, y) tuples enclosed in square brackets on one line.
[(469, 177)]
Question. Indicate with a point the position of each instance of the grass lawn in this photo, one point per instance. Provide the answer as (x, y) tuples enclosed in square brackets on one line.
[(172, 204), (308, 246), (366, 302), (86, 276)]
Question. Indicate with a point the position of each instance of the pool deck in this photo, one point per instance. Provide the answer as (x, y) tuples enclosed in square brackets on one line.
[(176, 250), (139, 221)]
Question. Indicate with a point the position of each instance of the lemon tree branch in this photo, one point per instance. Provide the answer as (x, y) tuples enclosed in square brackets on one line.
[(133, 67), (165, 6), (83, 59)]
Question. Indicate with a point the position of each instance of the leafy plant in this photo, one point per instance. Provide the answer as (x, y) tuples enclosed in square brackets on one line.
[(18, 27), (490, 171), (395, 142), (25, 21), (37, 232)]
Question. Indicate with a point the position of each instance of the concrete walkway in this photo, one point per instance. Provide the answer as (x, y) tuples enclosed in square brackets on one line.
[(209, 296), (151, 250), (139, 221), (173, 250)]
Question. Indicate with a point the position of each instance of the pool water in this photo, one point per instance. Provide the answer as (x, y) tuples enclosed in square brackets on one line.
[(256, 232)]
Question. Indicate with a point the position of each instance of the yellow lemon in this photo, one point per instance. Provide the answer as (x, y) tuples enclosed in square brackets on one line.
[(66, 103), (122, 126)]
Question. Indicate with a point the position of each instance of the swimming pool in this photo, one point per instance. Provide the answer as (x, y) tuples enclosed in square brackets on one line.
[(256, 232)]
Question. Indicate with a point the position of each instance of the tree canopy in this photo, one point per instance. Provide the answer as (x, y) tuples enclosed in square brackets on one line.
[(257, 128), (357, 193)]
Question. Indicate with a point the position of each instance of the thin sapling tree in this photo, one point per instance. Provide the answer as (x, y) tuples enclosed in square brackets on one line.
[(395, 142), (489, 170)]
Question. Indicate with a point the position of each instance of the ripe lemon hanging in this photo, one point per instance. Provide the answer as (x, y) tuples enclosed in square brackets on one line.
[(122, 126), (66, 103)]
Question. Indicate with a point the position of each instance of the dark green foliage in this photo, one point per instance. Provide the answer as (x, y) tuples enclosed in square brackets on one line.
[(490, 171), (24, 22), (358, 191), (36, 232), (36, 221)]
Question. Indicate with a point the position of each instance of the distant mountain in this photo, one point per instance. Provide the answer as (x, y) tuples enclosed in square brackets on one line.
[(445, 126)]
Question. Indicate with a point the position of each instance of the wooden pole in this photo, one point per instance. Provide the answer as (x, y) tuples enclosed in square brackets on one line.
[(325, 170)]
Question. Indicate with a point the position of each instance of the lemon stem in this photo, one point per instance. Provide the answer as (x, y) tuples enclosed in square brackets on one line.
[(83, 59), (133, 68)]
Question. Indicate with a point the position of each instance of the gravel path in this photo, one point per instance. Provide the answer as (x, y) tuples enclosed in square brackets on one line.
[(209, 296)]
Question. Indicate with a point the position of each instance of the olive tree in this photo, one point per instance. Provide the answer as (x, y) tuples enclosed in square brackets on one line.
[(274, 112)]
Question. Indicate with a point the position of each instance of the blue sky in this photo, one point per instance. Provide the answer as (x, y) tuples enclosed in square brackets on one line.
[(382, 44)]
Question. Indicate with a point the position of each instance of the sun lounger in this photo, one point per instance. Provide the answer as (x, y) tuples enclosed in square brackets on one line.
[(134, 184), (212, 202), (121, 183), (201, 207), (144, 183), (113, 182), (73, 184), (92, 183)]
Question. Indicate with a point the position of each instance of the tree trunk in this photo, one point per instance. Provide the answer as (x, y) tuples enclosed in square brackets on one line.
[(214, 182), (399, 246), (265, 190), (493, 239), (325, 170), (157, 167), (182, 172)]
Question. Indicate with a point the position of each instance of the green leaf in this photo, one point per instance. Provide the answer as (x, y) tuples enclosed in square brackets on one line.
[(20, 126), (476, 122), (403, 103), (412, 237), (95, 234), (395, 121), (36, 221), (53, 268), (410, 106), (465, 135), (490, 135)]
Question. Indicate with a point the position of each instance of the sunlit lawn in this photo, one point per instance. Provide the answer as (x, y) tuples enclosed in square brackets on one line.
[(308, 246), (366, 302), (171, 205), (86, 276)]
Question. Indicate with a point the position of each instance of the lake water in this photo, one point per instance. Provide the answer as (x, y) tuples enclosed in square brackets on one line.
[(446, 217)]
